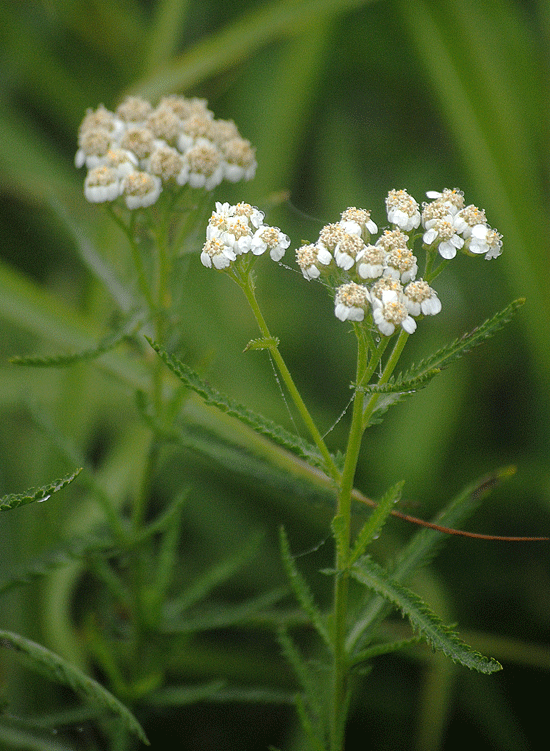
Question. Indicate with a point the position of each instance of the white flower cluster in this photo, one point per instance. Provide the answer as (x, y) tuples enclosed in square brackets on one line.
[(452, 226), (236, 230), (135, 150), (380, 277)]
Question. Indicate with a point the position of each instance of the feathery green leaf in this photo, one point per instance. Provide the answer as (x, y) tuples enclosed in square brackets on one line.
[(376, 520), (59, 670), (214, 398), (302, 591), (38, 495), (421, 617), (64, 360), (459, 347), (401, 385)]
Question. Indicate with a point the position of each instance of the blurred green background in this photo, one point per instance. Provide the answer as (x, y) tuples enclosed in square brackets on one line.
[(344, 100)]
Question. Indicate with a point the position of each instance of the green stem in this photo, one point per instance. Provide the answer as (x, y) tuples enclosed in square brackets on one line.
[(246, 284), (341, 582), (137, 258), (386, 374)]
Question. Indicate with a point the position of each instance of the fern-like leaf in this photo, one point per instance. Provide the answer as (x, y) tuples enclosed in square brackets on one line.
[(375, 522), (225, 404), (65, 360), (38, 495), (59, 670), (421, 617), (303, 592), (459, 347), (401, 386)]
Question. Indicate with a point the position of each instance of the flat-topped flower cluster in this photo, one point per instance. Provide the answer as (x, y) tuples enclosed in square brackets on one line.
[(237, 230), (380, 277), (377, 279), (137, 149)]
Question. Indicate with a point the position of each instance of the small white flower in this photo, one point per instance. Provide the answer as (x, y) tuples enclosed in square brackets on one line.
[(141, 189), (466, 219), (311, 258), (239, 160), (139, 140), (165, 162), (371, 262), (390, 311), (203, 166), (134, 109), (195, 128), (101, 184), (122, 161), (402, 210), (272, 239), (401, 264), (358, 222), (347, 250), (351, 301), (94, 143), (453, 200), (236, 234), (392, 239), (384, 284), (419, 298), (330, 236), (443, 234), (217, 254), (253, 214), (485, 240)]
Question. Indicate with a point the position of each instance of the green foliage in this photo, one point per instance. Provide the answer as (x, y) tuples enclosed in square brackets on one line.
[(456, 94), (422, 619), (57, 669), (303, 593), (37, 495), (213, 398), (62, 361)]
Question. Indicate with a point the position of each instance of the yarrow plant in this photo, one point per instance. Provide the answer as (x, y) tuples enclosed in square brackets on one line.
[(153, 170), (376, 286)]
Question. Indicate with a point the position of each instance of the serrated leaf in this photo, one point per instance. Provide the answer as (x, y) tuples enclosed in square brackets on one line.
[(59, 670), (459, 347), (225, 404), (38, 495), (306, 677), (400, 385), (108, 342), (375, 522), (424, 545), (302, 591), (403, 385), (421, 617)]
